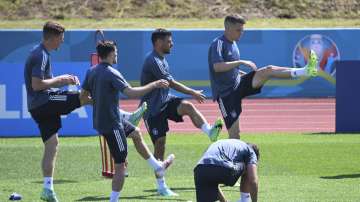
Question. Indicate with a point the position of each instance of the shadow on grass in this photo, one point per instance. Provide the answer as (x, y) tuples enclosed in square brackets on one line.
[(321, 133), (94, 198), (135, 198), (336, 177), (58, 182), (174, 189)]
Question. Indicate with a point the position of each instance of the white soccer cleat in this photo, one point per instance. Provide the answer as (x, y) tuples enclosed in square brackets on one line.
[(165, 165)]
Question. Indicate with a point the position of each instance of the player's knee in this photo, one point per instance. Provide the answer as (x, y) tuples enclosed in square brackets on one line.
[(136, 135), (265, 72), (188, 107)]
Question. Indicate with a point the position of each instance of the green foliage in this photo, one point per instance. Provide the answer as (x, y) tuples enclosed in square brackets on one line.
[(293, 167), (62, 9)]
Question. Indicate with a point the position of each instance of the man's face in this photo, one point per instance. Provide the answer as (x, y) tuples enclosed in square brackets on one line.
[(166, 44), (57, 41), (236, 30)]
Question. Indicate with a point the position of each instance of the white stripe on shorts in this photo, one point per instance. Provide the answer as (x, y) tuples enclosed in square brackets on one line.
[(222, 108), (58, 97), (119, 140)]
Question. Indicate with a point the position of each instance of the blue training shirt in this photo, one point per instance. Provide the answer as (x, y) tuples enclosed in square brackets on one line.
[(229, 153), (104, 84), (223, 83), (155, 67), (37, 65)]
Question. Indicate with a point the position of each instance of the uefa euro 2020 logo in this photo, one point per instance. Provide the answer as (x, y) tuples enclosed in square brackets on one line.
[(325, 49)]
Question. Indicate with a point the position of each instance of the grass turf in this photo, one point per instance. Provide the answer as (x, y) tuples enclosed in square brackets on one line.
[(293, 167)]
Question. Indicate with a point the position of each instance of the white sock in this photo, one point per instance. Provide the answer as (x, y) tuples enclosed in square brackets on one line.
[(48, 183), (114, 197), (244, 197), (155, 164), (206, 128), (161, 183), (297, 72), (124, 114)]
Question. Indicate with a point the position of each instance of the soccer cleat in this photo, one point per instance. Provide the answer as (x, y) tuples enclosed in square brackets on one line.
[(215, 130), (166, 192), (165, 165), (135, 117), (48, 195), (311, 67)]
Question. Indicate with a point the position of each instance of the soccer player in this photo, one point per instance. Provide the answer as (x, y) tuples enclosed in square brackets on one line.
[(45, 103), (230, 85), (163, 106), (224, 162), (103, 84)]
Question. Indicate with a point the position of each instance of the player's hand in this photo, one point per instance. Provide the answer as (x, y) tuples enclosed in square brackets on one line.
[(198, 95), (250, 64), (75, 80), (67, 79), (162, 83)]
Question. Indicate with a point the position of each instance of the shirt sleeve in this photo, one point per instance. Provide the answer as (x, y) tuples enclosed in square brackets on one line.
[(252, 157), (159, 70), (39, 63), (118, 82), (85, 85), (216, 51)]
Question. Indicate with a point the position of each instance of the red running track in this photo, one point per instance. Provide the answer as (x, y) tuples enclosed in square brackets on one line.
[(266, 115)]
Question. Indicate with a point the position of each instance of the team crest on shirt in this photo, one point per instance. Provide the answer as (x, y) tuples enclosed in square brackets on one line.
[(233, 114), (230, 53), (155, 131)]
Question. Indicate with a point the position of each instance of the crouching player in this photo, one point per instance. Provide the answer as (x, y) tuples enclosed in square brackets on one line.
[(224, 162)]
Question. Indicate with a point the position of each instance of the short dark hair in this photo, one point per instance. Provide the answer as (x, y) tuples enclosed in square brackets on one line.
[(256, 150), (233, 19), (159, 34), (105, 47), (52, 29)]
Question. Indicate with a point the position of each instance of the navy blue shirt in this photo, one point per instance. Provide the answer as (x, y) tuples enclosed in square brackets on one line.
[(155, 67), (104, 84), (37, 65), (223, 83), (229, 153)]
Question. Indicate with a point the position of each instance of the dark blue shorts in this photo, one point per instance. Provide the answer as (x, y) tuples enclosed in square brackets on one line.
[(117, 142), (157, 126), (230, 105), (48, 116), (207, 179)]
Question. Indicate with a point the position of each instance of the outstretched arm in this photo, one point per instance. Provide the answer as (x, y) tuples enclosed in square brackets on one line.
[(38, 84), (226, 66), (135, 92), (197, 94)]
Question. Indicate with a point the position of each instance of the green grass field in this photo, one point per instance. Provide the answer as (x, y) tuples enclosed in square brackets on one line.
[(293, 167)]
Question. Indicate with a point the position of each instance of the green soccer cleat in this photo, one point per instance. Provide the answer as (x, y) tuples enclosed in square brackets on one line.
[(135, 117), (311, 67), (215, 130), (48, 195), (166, 192)]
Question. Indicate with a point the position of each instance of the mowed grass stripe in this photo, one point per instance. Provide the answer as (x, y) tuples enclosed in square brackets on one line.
[(293, 167)]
